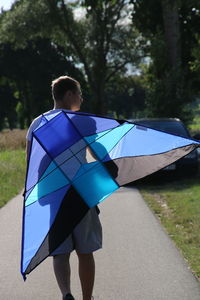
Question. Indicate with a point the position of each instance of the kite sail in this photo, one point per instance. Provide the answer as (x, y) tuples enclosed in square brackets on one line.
[(62, 184)]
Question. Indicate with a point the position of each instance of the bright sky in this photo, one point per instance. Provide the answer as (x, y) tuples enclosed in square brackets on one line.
[(6, 4)]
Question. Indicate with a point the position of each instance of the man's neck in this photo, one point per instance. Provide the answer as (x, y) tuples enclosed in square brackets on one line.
[(57, 106), (60, 106)]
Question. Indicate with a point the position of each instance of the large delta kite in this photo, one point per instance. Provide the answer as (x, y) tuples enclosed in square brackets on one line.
[(62, 185)]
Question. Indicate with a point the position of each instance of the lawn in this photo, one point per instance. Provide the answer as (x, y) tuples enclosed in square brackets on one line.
[(177, 205), (12, 172), (12, 164)]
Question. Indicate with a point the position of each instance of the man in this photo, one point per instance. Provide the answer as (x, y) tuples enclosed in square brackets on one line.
[(87, 236)]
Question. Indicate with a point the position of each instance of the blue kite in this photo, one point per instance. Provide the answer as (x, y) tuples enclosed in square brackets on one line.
[(62, 184)]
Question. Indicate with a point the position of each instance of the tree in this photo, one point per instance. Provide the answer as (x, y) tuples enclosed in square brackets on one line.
[(127, 96), (28, 73), (100, 42), (8, 103), (170, 11), (171, 28)]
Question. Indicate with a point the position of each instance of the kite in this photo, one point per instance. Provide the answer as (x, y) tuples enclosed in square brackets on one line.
[(62, 184)]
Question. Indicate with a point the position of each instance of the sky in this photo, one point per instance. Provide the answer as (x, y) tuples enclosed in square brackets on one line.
[(6, 4)]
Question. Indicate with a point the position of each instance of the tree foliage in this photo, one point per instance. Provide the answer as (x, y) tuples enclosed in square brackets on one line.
[(171, 29), (26, 76), (98, 43)]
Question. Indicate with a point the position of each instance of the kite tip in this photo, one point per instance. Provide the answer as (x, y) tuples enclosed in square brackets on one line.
[(24, 277)]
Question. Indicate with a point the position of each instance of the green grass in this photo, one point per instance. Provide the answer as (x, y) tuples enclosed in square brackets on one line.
[(12, 172), (177, 204), (195, 126)]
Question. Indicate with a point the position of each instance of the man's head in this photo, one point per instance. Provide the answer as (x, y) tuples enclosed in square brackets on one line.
[(66, 93)]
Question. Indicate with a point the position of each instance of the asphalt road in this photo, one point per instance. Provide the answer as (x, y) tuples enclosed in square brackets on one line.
[(138, 260)]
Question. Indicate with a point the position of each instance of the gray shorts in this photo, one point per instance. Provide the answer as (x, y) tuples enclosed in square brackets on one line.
[(85, 238)]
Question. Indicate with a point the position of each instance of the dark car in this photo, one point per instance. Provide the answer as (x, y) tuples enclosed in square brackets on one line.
[(189, 163)]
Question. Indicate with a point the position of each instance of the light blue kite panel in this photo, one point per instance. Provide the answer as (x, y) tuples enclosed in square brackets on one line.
[(85, 168), (38, 219), (139, 142), (95, 184), (52, 180), (103, 142)]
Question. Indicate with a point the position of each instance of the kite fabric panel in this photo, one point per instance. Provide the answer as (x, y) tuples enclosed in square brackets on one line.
[(62, 183)]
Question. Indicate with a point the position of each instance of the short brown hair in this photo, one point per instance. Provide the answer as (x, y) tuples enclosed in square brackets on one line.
[(63, 84)]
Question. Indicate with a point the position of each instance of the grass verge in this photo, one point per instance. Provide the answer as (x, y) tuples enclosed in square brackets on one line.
[(177, 204), (12, 172), (12, 139)]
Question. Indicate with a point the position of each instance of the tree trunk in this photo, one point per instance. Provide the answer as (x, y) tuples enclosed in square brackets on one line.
[(99, 107), (172, 32)]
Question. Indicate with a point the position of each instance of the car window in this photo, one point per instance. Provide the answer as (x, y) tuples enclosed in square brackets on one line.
[(170, 127)]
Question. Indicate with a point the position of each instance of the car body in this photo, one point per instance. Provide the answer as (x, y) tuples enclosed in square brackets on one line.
[(189, 163)]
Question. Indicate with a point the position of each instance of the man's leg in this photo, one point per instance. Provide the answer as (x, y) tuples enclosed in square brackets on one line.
[(62, 272), (86, 274)]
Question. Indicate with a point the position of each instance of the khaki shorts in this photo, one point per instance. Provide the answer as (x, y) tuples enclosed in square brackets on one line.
[(85, 238)]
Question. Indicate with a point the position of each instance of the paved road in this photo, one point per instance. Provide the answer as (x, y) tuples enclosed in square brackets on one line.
[(138, 261)]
